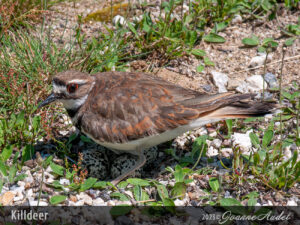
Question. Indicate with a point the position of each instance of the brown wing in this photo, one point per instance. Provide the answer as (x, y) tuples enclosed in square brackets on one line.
[(135, 105)]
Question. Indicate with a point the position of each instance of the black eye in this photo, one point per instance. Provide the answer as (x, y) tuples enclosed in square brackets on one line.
[(71, 88)]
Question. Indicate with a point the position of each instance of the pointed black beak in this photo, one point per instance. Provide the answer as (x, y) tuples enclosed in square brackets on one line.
[(48, 100)]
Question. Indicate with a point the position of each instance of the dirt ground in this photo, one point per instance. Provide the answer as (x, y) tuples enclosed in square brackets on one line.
[(230, 58)]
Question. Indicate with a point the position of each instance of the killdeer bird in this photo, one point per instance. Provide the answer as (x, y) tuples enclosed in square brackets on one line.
[(129, 112)]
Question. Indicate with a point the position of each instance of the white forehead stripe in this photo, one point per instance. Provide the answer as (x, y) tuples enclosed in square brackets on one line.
[(58, 88), (77, 81)]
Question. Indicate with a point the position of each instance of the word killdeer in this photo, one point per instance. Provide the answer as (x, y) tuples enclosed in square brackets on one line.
[(129, 112)]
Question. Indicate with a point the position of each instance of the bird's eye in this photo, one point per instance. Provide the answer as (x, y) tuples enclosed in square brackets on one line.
[(72, 88)]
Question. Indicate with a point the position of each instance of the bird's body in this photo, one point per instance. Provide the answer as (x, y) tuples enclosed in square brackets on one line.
[(134, 111)]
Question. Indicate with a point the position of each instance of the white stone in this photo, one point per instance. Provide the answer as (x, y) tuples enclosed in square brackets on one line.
[(98, 202), (21, 183), (243, 141), (291, 203), (36, 203), (111, 203), (212, 151), (119, 20), (29, 178), (256, 83), (79, 203), (259, 60), (226, 152), (252, 84), (237, 19), (217, 143), (64, 181), (179, 202), (29, 193), (220, 80), (213, 134)]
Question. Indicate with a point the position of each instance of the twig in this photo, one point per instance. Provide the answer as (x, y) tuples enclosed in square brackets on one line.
[(257, 67)]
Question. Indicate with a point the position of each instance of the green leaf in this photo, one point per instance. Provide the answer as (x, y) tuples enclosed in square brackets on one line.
[(85, 139), (57, 199), (88, 184), (133, 30), (27, 153), (162, 191), (261, 49), (120, 210), (254, 140), (214, 38), (214, 184), (137, 192), (252, 41), (178, 174), (100, 184), (120, 196), (1, 184), (6, 153), (198, 52), (36, 123), (208, 62), (3, 168), (200, 68), (20, 177), (229, 127), (290, 41), (12, 173), (268, 136), (229, 202), (138, 181), (179, 190), (57, 169), (220, 26), (123, 184), (256, 158), (168, 202)]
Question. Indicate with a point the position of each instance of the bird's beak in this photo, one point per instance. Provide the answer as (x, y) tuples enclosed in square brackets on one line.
[(48, 100)]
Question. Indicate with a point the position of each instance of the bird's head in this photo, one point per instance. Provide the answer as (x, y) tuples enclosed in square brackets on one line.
[(71, 88)]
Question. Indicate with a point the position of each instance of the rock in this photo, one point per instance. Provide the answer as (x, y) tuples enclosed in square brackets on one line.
[(233, 84), (207, 88), (7, 198), (212, 152), (252, 84), (98, 202), (226, 152), (216, 143), (237, 19), (29, 193), (259, 60), (243, 141), (179, 202), (73, 198), (111, 203), (79, 203), (268, 95), (29, 178), (36, 203), (64, 181), (270, 78), (119, 20), (220, 80), (213, 134), (21, 183)]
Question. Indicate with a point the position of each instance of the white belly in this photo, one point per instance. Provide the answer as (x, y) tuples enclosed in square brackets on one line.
[(147, 142)]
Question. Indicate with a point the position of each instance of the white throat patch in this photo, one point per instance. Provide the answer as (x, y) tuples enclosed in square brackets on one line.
[(74, 103)]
